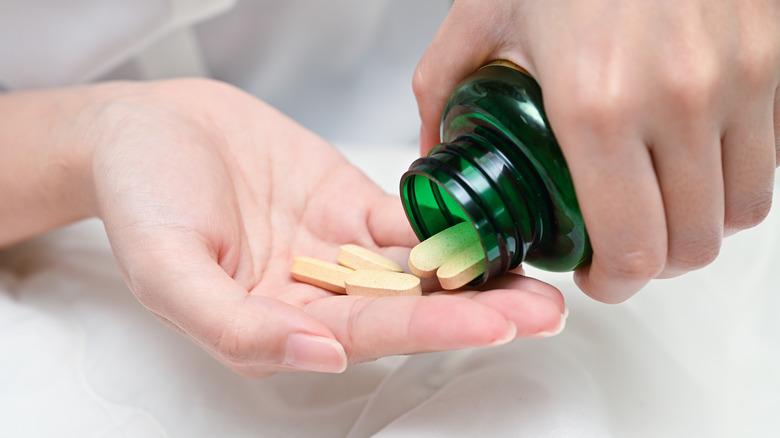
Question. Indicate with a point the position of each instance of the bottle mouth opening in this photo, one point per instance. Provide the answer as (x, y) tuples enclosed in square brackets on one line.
[(430, 207), (437, 198)]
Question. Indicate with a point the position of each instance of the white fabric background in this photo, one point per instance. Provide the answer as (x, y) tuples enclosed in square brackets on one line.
[(340, 67), (79, 357), (692, 356)]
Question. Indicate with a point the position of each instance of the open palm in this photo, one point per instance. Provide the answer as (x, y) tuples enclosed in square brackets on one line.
[(207, 194)]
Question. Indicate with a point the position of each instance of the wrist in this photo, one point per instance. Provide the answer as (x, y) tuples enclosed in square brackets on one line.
[(47, 139)]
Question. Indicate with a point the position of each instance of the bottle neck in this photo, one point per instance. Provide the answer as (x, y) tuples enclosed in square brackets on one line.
[(471, 179)]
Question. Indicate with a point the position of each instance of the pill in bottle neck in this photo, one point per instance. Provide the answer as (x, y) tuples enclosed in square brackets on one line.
[(499, 168)]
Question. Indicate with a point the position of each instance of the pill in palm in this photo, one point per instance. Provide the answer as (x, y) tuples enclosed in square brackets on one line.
[(357, 257), (462, 268), (373, 283), (320, 273), (431, 253)]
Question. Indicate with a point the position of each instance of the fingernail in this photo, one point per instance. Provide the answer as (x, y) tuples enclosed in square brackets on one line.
[(509, 337), (561, 326), (315, 353)]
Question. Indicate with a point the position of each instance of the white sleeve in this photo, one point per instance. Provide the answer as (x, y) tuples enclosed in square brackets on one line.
[(45, 43)]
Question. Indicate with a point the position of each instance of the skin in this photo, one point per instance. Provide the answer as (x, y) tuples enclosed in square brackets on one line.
[(207, 194), (678, 101)]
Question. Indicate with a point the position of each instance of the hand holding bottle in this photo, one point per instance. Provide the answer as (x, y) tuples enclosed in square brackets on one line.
[(666, 114)]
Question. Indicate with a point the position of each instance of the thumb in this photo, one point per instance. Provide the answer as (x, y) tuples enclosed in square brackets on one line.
[(467, 39), (255, 336)]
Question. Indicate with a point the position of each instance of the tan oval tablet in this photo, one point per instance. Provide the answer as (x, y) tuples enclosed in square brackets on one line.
[(463, 267), (431, 253), (374, 283), (357, 257), (320, 273)]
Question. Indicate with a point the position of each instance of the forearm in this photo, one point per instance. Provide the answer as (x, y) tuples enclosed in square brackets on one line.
[(45, 172)]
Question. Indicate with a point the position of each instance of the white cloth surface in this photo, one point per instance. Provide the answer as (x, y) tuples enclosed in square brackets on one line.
[(343, 68), (45, 43), (695, 356)]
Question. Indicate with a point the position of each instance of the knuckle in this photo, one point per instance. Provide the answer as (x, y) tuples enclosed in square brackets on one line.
[(757, 57), (693, 254), (428, 89), (638, 263), (692, 86), (419, 86), (233, 343), (600, 111), (756, 67), (748, 213)]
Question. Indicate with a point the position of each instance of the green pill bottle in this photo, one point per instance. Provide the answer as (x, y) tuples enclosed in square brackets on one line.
[(500, 168)]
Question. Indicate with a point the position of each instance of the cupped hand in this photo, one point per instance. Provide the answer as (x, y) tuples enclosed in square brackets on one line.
[(207, 194), (667, 113)]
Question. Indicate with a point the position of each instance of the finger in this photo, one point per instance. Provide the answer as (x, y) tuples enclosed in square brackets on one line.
[(532, 313), (687, 159), (388, 224), (254, 335), (749, 161), (375, 327), (625, 221), (506, 294), (511, 281), (459, 48)]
